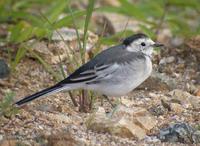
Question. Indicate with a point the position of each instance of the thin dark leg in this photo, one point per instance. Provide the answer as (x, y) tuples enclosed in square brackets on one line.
[(106, 97)]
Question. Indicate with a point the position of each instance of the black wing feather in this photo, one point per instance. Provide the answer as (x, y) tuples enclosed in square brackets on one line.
[(117, 54)]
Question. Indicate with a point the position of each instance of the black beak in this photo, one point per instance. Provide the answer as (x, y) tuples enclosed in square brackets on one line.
[(158, 45)]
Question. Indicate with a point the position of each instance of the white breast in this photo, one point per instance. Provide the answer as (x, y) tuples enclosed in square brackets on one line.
[(148, 66), (125, 79), (133, 80)]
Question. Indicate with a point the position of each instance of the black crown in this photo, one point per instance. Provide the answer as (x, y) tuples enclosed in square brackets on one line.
[(132, 38)]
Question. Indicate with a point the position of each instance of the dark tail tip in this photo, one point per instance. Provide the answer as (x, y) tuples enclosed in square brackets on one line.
[(37, 95), (25, 100)]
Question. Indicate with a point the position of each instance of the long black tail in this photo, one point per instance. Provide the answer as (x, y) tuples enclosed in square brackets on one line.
[(47, 91)]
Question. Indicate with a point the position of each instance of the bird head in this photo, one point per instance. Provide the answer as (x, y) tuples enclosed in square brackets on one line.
[(140, 43)]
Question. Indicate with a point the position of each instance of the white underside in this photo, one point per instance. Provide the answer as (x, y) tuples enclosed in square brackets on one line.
[(129, 79)]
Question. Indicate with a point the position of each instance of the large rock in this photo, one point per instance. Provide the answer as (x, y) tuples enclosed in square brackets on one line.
[(198, 92), (177, 108), (59, 118), (63, 138), (123, 121), (68, 34), (8, 142), (185, 99), (4, 70), (127, 129), (179, 132), (137, 115), (167, 60), (194, 44)]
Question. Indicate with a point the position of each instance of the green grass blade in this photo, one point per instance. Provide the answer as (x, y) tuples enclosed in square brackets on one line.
[(73, 20), (87, 21), (20, 54)]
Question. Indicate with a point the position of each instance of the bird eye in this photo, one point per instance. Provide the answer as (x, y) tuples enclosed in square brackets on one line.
[(143, 44)]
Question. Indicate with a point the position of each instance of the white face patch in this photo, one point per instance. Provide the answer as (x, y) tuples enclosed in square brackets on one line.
[(142, 45)]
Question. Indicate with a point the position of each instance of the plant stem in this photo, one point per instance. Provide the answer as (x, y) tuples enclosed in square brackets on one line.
[(162, 19)]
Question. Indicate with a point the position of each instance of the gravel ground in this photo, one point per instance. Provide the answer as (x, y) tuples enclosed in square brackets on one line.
[(55, 121)]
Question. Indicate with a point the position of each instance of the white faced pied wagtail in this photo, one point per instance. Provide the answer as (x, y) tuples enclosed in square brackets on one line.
[(114, 72)]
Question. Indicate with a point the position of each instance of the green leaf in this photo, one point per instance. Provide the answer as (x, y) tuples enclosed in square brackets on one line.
[(55, 10), (7, 100), (6, 108), (126, 8), (41, 32), (33, 19), (132, 10), (21, 5), (148, 31), (20, 54), (68, 20), (151, 8), (184, 3), (178, 25), (15, 31), (116, 38), (25, 34)]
